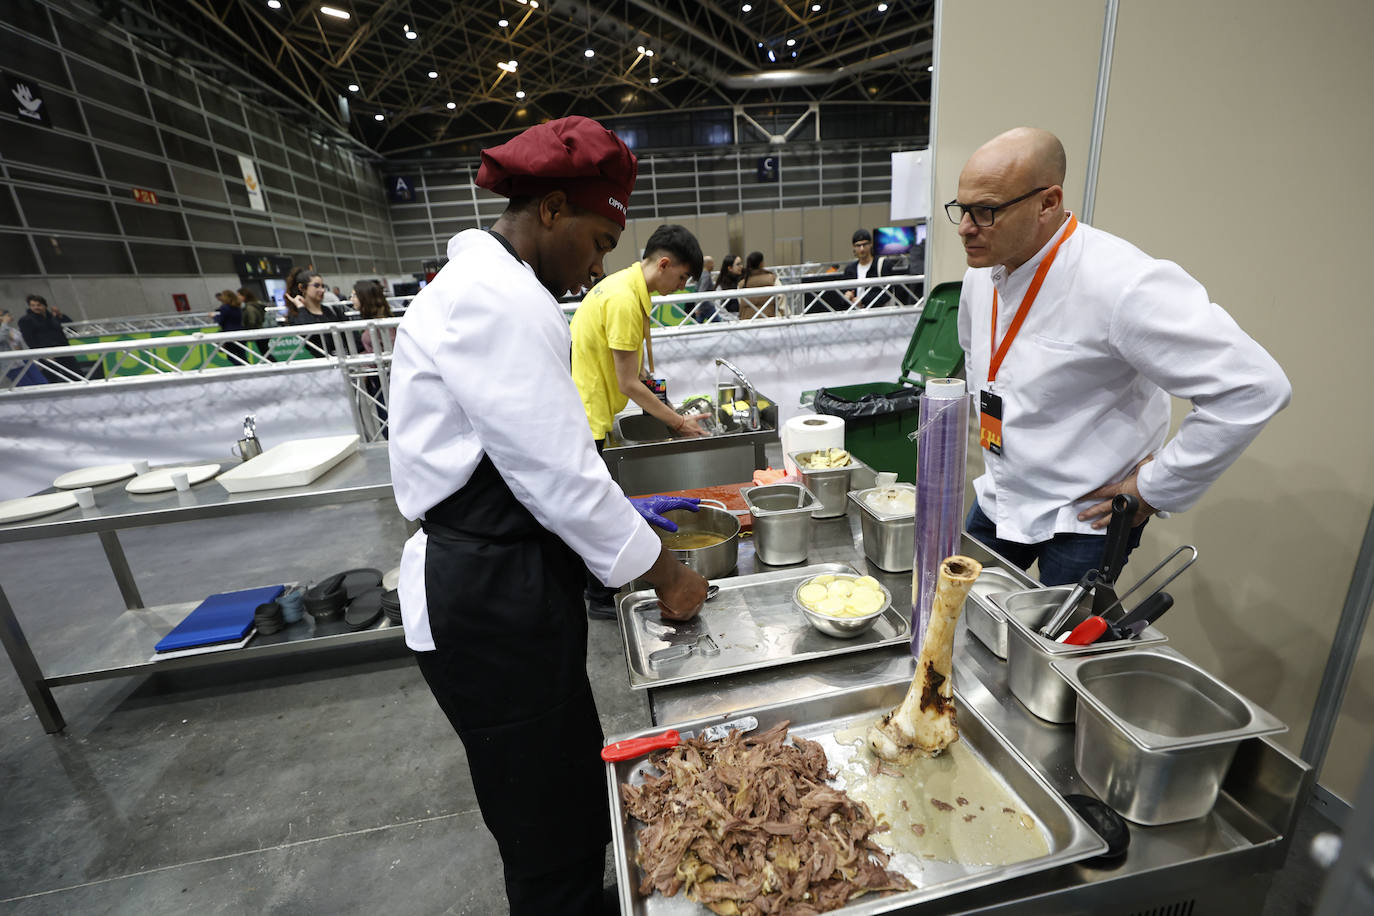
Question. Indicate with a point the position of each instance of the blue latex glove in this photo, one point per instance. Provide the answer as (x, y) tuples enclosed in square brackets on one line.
[(651, 508)]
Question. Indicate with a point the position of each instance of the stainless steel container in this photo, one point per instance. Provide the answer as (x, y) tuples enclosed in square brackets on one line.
[(831, 485), (782, 522), (985, 619), (718, 559), (1029, 654), (840, 627), (1155, 733), (889, 540)]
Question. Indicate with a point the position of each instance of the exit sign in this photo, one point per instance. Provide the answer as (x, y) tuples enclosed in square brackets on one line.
[(145, 197)]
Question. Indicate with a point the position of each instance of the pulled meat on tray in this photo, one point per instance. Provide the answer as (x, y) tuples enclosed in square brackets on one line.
[(747, 826)]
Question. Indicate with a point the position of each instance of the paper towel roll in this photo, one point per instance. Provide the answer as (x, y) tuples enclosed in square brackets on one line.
[(808, 433)]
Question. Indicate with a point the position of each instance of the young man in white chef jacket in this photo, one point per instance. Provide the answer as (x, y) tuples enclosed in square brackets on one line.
[(490, 449), (1076, 339)]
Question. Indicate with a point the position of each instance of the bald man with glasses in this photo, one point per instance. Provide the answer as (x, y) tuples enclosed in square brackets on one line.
[(1076, 341)]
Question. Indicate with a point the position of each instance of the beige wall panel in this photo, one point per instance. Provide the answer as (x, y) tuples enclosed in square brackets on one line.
[(758, 233), (819, 244), (788, 239), (1005, 64), (1230, 165), (843, 221), (714, 234)]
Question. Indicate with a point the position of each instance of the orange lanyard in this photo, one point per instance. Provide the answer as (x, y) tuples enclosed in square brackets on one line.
[(999, 353)]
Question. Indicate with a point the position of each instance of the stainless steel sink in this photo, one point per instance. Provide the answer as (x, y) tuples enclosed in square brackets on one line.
[(646, 457)]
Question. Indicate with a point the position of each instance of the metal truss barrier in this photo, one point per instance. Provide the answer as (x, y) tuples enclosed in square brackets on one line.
[(191, 358), (175, 321)]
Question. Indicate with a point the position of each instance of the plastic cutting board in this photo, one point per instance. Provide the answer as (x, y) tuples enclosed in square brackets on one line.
[(220, 618)]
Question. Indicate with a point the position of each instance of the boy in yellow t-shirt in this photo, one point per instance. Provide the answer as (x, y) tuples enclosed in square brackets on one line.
[(609, 327)]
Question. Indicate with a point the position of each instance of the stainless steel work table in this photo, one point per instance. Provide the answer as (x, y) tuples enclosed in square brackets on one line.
[(1219, 863), (124, 646)]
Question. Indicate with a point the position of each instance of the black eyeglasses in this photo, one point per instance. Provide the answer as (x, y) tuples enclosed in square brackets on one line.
[(982, 215)]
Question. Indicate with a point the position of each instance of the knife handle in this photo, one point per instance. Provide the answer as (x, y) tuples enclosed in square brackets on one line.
[(1087, 632), (1150, 610), (638, 747)]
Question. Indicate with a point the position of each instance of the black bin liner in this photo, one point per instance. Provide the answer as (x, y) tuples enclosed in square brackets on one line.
[(899, 400)]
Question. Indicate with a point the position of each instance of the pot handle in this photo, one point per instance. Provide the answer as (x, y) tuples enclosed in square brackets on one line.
[(713, 502)]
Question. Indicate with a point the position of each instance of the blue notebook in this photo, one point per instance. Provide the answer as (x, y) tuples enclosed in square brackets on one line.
[(225, 617)]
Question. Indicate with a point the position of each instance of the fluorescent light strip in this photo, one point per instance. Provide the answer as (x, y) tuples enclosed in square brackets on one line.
[(336, 13)]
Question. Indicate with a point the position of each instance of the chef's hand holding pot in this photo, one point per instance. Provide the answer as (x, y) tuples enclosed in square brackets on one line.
[(653, 507), (681, 591)]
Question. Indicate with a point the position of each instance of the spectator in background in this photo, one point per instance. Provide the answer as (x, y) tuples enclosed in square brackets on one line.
[(707, 281), (337, 296), (11, 339), (731, 270), (755, 274), (229, 317), (41, 326), (254, 316), (703, 312), (310, 308), (862, 267), (371, 304)]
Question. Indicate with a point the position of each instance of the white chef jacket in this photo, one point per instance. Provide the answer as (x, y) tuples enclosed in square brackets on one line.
[(1085, 385), (482, 365)]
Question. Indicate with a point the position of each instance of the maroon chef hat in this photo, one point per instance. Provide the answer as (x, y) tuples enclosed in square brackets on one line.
[(575, 155)]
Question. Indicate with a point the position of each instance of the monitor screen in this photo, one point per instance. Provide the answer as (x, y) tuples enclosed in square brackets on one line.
[(890, 240)]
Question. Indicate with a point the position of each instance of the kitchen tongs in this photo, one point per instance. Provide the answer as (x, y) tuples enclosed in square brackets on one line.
[(1146, 578)]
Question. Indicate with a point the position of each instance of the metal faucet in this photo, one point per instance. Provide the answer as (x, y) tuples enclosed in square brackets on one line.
[(752, 421)]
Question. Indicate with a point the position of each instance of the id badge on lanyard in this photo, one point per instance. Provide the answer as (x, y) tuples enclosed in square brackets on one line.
[(990, 421)]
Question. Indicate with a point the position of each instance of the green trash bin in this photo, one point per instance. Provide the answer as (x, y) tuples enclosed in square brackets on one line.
[(880, 416)]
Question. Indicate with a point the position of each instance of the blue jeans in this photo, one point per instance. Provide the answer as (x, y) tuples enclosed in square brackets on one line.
[(1063, 559)]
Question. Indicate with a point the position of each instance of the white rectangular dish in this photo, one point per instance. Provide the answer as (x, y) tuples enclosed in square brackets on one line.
[(291, 464)]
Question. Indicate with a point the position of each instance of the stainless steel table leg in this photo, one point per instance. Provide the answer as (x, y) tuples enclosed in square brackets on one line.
[(120, 567), (26, 666)]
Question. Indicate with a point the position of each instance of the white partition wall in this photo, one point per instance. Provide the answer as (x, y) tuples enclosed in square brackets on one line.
[(1236, 142)]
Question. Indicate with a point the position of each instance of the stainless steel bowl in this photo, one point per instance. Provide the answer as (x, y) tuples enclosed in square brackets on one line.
[(830, 485), (1155, 733), (984, 619), (716, 560), (1029, 654), (889, 540), (841, 627)]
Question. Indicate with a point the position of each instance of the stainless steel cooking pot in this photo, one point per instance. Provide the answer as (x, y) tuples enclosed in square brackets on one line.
[(718, 559)]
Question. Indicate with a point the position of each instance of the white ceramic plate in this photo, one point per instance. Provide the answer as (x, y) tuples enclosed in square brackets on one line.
[(291, 464), (94, 477), (16, 510), (160, 481)]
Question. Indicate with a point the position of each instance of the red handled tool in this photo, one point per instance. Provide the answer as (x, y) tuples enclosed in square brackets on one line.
[(638, 747)]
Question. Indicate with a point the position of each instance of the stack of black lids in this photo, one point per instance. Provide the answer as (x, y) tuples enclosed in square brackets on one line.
[(268, 618), (391, 606), (364, 610)]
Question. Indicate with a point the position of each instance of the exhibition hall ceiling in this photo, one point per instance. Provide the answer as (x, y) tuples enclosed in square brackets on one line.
[(421, 77)]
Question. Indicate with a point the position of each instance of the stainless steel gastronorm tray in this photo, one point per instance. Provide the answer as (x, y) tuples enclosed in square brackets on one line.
[(751, 624), (816, 718)]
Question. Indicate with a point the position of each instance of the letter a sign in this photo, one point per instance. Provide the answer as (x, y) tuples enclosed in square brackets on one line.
[(400, 189)]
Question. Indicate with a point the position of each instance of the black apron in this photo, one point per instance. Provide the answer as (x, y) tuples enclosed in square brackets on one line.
[(509, 670)]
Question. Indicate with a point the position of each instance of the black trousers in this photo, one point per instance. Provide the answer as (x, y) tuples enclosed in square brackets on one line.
[(509, 670)]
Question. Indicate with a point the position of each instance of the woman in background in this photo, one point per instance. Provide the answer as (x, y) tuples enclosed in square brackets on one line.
[(229, 317), (309, 307), (731, 271), (755, 274), (371, 304)]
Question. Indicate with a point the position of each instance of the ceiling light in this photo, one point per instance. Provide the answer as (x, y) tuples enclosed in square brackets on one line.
[(534, 4), (434, 74), (649, 53), (653, 80), (882, 7), (519, 93), (274, 4), (331, 11), (640, 49), (746, 8), (589, 53), (794, 53), (771, 55), (451, 105), (378, 117), (815, 7), (930, 69), (503, 22), (507, 65), (354, 87), (411, 33), (791, 42)]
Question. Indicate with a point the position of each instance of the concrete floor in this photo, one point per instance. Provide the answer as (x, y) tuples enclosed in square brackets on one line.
[(338, 788)]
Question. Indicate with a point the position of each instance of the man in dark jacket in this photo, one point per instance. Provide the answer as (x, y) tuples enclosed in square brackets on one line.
[(42, 327)]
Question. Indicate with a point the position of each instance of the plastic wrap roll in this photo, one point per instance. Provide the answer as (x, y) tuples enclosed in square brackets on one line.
[(808, 433), (941, 452)]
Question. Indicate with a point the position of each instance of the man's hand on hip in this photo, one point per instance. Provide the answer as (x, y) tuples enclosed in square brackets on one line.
[(1101, 512)]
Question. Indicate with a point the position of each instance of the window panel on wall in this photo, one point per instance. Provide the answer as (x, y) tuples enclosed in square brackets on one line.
[(68, 255), (204, 229), (151, 221), (41, 146), (27, 58), (237, 192), (280, 203), (29, 18), (135, 171), (221, 104), (191, 183), (190, 152), (52, 211), (118, 128), (309, 192), (292, 239), (97, 84), (84, 41), (168, 80), (271, 152), (257, 236), (163, 259), (216, 261), (17, 254), (231, 137), (175, 115)]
